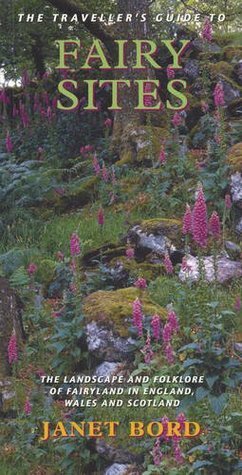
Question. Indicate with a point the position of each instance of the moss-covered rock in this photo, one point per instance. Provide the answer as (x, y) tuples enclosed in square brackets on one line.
[(114, 308), (232, 53), (171, 228), (222, 67), (141, 143), (45, 272), (234, 157)]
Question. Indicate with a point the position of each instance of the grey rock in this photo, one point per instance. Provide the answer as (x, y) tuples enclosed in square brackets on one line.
[(226, 269), (157, 243), (105, 346), (108, 369), (236, 187), (114, 453), (118, 469), (231, 93), (232, 248), (238, 227)]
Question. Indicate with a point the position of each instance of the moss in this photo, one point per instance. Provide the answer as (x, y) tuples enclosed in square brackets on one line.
[(234, 157), (126, 157), (115, 307), (232, 53), (169, 227), (78, 196), (140, 143), (140, 269), (46, 271), (222, 67)]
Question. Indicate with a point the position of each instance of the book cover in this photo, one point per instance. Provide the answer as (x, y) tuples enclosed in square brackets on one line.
[(120, 237)]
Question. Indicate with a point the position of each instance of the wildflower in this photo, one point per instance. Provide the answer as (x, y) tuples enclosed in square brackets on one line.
[(181, 418), (105, 173), (162, 156), (169, 353), (156, 453), (4, 97), (27, 407), (32, 268), (12, 349), (100, 217), (166, 333), (108, 123), (199, 220), (75, 244), (40, 154), (60, 256), (168, 264), (147, 98), (176, 119), (227, 201), (95, 164), (140, 283), (184, 265), (147, 350), (214, 225), (204, 107), (178, 453), (237, 304), (137, 316), (9, 143), (187, 221), (170, 72), (156, 326), (129, 252), (40, 372), (49, 114), (218, 95), (164, 421), (172, 321), (207, 30)]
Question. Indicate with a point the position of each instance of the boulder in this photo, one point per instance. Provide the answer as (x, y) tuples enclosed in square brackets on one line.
[(104, 345), (236, 187), (121, 469), (108, 369), (113, 309), (226, 269), (115, 454)]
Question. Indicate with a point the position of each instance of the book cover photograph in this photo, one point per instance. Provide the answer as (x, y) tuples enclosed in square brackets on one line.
[(120, 237)]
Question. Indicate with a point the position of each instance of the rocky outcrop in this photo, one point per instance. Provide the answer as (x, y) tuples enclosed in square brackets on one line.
[(226, 269)]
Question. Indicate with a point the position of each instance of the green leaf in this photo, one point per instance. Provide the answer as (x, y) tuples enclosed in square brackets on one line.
[(211, 380), (201, 463), (218, 403), (191, 362), (201, 393)]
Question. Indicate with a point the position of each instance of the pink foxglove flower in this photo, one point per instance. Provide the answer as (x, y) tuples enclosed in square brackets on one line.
[(237, 304), (169, 353), (129, 252), (156, 453), (32, 268), (105, 173), (178, 456), (138, 316), (207, 30), (147, 351), (199, 220), (170, 72), (172, 321), (108, 123), (162, 156), (227, 201), (156, 327), (218, 95), (75, 244), (187, 221), (9, 143), (214, 225), (168, 264), (27, 407), (148, 101), (12, 349), (100, 217), (166, 333), (140, 283), (95, 164), (176, 119)]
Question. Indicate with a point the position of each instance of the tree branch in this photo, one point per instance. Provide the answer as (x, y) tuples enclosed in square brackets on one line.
[(71, 8)]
